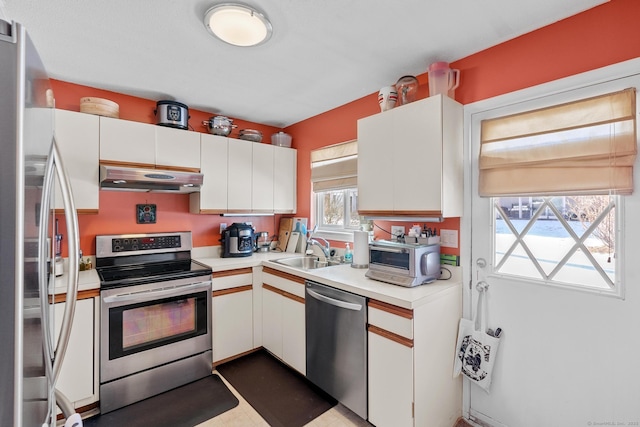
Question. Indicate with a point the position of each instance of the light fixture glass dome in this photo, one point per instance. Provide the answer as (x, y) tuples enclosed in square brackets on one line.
[(238, 24)]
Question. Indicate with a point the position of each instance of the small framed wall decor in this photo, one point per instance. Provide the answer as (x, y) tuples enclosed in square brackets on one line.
[(146, 214)]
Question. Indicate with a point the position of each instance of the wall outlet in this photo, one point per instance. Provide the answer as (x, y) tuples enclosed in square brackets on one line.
[(223, 226), (397, 231)]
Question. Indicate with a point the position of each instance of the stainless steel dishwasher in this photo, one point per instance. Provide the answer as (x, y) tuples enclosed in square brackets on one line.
[(336, 331)]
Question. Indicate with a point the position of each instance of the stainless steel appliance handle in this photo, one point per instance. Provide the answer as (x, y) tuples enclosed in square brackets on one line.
[(335, 302), (154, 294), (73, 230), (43, 272)]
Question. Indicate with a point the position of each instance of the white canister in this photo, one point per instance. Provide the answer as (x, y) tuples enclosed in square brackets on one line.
[(387, 98)]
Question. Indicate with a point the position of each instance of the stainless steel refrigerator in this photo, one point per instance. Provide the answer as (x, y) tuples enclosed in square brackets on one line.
[(30, 356)]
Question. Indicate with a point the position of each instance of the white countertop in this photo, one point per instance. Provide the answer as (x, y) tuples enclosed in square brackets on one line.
[(353, 280), (340, 276), (87, 280)]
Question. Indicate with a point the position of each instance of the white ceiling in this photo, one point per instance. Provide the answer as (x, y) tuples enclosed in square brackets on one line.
[(323, 53)]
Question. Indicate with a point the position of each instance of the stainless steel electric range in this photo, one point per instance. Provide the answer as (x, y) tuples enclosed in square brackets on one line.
[(155, 318)]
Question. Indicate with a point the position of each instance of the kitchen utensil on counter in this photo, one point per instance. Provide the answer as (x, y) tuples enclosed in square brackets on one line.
[(281, 139), (99, 107), (219, 125), (172, 114), (263, 242), (442, 79), (237, 240), (407, 88), (251, 135), (387, 98)]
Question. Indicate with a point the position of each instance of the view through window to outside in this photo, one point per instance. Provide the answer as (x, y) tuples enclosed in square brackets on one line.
[(565, 239), (338, 209)]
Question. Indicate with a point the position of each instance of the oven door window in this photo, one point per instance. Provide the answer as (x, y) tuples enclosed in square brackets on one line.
[(399, 260), (143, 326)]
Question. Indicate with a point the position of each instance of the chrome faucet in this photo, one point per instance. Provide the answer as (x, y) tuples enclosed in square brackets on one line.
[(326, 248)]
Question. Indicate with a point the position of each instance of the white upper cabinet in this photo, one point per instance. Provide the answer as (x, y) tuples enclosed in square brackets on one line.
[(262, 183), (240, 162), (177, 148), (410, 160), (127, 142), (77, 136), (212, 197), (284, 179), (143, 144), (244, 177)]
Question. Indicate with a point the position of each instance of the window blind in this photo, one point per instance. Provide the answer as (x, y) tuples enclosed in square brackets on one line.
[(335, 167), (583, 147)]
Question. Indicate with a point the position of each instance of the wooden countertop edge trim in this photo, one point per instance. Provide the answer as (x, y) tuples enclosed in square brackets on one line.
[(89, 293), (126, 164), (284, 275), (390, 335), (178, 168), (79, 211), (221, 292), (283, 293), (235, 272), (407, 313)]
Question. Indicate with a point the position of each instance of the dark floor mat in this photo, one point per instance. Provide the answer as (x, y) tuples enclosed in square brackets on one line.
[(184, 406), (283, 397)]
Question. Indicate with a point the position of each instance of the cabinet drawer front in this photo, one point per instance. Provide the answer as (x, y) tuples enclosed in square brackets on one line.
[(231, 279), (283, 284), (391, 322)]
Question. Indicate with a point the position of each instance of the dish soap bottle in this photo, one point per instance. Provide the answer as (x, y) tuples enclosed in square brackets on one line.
[(348, 255)]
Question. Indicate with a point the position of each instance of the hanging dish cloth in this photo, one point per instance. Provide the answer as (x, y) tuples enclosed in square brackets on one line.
[(477, 346)]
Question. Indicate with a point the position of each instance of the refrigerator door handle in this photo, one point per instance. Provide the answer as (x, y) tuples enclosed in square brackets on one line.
[(43, 255), (71, 219)]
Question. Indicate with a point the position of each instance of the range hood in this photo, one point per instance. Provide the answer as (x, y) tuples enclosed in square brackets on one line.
[(139, 179)]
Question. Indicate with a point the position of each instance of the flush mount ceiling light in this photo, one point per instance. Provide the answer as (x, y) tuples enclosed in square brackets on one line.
[(238, 24)]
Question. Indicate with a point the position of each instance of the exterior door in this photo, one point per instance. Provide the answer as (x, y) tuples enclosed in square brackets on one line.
[(564, 353)]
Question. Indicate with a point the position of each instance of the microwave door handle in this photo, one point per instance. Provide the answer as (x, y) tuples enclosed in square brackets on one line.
[(151, 295)]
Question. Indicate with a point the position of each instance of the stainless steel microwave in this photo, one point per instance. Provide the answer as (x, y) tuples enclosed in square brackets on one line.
[(403, 264)]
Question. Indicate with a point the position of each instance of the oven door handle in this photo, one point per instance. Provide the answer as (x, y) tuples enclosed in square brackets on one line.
[(154, 294)]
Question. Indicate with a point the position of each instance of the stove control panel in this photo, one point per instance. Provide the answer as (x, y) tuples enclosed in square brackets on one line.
[(145, 243)]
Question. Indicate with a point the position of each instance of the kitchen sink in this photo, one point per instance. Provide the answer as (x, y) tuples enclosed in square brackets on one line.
[(306, 262)]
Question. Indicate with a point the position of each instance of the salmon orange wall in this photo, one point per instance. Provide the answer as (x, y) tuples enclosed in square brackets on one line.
[(601, 36), (117, 213)]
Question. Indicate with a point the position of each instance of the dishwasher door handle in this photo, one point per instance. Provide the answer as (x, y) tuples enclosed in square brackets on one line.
[(335, 302)]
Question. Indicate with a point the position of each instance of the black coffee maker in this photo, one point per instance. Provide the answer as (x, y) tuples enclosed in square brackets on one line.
[(237, 240)]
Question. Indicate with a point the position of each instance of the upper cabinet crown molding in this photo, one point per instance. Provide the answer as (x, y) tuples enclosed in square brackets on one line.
[(410, 160)]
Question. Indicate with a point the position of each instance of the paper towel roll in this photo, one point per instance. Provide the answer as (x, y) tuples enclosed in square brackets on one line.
[(360, 249)]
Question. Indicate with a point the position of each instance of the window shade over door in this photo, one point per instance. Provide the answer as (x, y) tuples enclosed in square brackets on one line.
[(335, 167), (583, 147)]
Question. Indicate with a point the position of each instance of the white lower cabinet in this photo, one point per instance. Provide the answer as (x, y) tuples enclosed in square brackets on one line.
[(390, 382), (283, 318), (232, 313), (78, 378), (411, 354)]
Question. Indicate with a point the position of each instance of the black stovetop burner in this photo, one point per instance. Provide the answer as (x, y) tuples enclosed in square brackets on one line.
[(127, 260)]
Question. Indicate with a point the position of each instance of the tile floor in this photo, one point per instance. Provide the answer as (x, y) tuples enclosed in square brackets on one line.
[(244, 415)]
